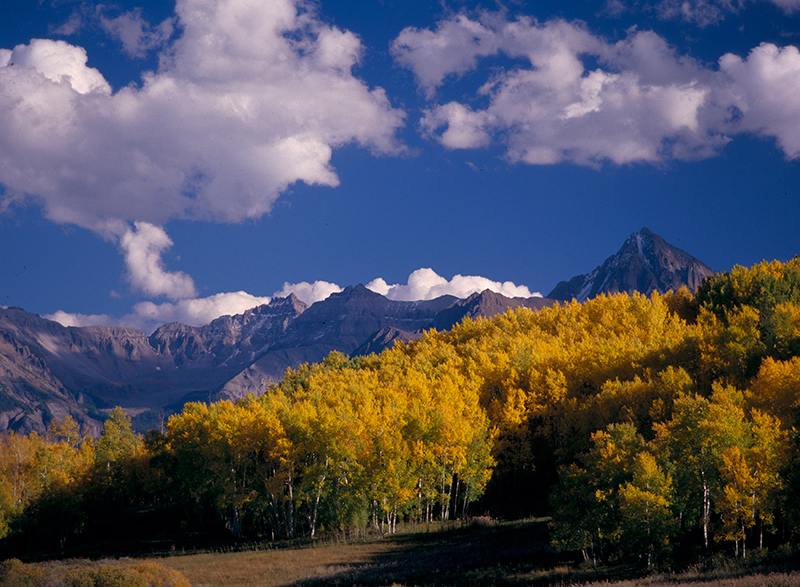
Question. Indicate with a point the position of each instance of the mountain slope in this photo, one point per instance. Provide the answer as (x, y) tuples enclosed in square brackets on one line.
[(487, 304), (645, 263), (48, 371), (342, 322)]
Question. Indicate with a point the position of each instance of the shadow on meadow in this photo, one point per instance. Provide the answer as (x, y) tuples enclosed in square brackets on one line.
[(518, 553), (480, 554)]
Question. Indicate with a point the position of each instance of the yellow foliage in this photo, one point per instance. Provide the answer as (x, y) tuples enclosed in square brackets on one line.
[(776, 389)]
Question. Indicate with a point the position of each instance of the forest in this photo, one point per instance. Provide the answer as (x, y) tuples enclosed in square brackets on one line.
[(653, 429)]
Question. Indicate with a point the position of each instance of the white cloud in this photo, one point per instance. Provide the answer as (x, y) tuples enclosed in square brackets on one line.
[(71, 26), (56, 62), (762, 93), (67, 319), (197, 311), (701, 12), (639, 101), (252, 97), (452, 49), (147, 316), (426, 284), (137, 36), (142, 249), (308, 293), (423, 284)]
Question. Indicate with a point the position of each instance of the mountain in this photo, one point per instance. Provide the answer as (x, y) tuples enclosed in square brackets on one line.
[(645, 263), (49, 371), (384, 339), (342, 322), (487, 304), (480, 304)]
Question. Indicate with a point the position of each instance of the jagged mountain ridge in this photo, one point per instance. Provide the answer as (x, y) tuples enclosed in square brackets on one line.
[(342, 322), (48, 371), (645, 263), (480, 304)]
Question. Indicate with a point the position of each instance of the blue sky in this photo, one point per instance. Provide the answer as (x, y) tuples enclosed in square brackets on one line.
[(176, 161)]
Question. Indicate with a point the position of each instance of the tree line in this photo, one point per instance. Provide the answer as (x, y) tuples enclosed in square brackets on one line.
[(646, 426)]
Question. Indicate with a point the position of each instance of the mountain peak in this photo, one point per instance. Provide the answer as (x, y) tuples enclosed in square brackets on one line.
[(645, 263)]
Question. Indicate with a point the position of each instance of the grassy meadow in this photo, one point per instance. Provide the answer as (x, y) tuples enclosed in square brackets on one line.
[(483, 553)]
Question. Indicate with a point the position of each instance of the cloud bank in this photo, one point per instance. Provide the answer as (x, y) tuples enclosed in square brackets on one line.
[(581, 99), (426, 284), (423, 284), (308, 292), (251, 98), (147, 316)]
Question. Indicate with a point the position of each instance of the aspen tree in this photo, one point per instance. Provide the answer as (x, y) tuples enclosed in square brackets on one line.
[(647, 520), (736, 501)]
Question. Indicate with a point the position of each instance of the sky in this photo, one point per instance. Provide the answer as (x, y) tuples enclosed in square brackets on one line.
[(176, 161)]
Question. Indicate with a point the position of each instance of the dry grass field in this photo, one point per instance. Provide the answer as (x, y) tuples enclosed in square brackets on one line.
[(273, 568), (482, 554), (510, 554)]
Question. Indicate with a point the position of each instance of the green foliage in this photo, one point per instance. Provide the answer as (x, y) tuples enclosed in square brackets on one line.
[(752, 303)]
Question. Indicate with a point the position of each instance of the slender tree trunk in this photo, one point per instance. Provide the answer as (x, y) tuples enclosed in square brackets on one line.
[(706, 509), (316, 501), (273, 505), (744, 546), (445, 500), (419, 499), (290, 511)]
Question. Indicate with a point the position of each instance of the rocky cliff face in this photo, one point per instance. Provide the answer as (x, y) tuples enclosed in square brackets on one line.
[(228, 340), (645, 263)]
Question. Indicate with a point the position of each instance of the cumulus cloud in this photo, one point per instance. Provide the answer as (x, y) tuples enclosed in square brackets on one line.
[(56, 62), (642, 103), (198, 311), (426, 284), (423, 284), (68, 319), (582, 99), (758, 90), (142, 248), (308, 293), (252, 97), (147, 316)]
